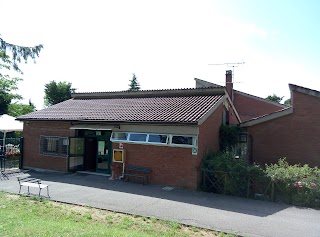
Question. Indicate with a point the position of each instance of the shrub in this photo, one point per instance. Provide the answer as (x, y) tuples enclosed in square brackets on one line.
[(229, 175), (298, 185), (228, 136)]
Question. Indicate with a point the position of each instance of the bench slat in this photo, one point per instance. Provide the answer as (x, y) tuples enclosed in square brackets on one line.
[(35, 185), (137, 171)]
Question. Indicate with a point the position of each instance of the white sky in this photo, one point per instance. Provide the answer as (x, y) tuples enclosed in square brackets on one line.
[(97, 45)]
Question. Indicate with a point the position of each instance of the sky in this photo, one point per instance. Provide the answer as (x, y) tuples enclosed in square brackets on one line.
[(97, 45)]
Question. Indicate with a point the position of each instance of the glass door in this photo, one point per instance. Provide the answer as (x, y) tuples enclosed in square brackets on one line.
[(76, 153), (104, 154)]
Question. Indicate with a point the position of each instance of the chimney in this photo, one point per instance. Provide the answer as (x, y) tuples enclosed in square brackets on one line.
[(229, 84)]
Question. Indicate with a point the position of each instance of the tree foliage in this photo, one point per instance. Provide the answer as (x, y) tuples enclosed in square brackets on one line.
[(10, 56), (57, 92), (275, 98), (7, 88), (134, 84), (18, 109), (287, 102), (18, 53), (228, 136)]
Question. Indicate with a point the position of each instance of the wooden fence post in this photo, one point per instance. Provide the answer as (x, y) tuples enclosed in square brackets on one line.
[(272, 190)]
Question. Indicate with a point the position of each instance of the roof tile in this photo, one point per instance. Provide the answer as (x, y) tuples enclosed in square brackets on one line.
[(162, 109)]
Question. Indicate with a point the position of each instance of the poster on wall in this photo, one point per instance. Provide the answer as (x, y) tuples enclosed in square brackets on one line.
[(101, 145)]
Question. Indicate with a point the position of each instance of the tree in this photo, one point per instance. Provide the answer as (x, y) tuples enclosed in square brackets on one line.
[(134, 84), (287, 102), (57, 92), (17, 109), (274, 98), (7, 84), (17, 53)]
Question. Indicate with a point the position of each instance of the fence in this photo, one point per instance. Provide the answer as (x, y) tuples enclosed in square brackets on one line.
[(259, 187), (10, 153)]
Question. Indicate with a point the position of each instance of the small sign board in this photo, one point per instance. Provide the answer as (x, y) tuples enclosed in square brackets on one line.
[(118, 155), (120, 145), (194, 151)]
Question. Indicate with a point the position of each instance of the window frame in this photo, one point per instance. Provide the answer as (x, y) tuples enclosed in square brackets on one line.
[(136, 133), (167, 143), (61, 149), (194, 140)]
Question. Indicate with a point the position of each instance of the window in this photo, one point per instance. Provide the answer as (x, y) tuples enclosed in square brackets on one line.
[(119, 136), (55, 146), (157, 138), (138, 137), (183, 140)]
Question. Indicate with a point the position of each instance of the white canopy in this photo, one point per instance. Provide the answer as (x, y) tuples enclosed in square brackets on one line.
[(9, 124)]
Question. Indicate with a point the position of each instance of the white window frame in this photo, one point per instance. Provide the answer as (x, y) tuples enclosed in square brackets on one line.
[(119, 140), (194, 140), (167, 143), (132, 133), (158, 143)]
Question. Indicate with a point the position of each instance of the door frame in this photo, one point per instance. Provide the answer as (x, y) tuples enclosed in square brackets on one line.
[(106, 139)]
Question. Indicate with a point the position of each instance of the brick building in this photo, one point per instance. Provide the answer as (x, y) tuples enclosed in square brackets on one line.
[(248, 106), (292, 132), (166, 130)]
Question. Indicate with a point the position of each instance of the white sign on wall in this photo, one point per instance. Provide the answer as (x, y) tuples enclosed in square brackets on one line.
[(194, 151)]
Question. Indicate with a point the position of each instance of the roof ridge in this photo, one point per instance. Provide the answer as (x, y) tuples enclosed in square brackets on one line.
[(304, 90), (149, 93)]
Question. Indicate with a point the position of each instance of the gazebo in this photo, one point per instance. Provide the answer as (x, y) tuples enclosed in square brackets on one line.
[(9, 124)]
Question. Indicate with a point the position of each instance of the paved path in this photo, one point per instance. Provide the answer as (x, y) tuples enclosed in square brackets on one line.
[(242, 216)]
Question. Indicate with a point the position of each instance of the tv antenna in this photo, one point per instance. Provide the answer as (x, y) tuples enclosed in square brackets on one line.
[(228, 65)]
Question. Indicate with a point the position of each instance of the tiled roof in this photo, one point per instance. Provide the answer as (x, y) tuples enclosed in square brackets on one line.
[(188, 107)]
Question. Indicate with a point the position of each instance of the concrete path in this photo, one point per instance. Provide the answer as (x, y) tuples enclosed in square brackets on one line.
[(241, 216)]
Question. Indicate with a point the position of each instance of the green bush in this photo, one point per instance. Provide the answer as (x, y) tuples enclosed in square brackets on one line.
[(228, 136), (229, 175), (295, 184)]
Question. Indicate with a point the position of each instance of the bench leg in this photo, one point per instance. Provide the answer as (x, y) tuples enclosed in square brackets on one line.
[(28, 191), (48, 191), (39, 192), (20, 189)]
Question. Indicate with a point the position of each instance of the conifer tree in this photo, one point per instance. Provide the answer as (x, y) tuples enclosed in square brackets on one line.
[(134, 84)]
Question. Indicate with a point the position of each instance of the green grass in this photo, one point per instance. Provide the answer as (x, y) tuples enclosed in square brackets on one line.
[(25, 216)]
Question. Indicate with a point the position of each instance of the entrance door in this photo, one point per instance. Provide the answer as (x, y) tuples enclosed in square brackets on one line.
[(90, 158), (76, 153), (104, 154)]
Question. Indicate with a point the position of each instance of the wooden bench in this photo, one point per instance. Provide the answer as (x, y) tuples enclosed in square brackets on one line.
[(137, 171), (32, 182)]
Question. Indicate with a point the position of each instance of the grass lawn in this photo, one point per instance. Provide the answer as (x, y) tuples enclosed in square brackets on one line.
[(26, 216)]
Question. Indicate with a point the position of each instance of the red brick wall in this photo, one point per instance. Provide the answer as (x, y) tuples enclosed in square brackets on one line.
[(295, 136), (171, 166), (31, 152), (249, 107), (176, 166), (208, 139)]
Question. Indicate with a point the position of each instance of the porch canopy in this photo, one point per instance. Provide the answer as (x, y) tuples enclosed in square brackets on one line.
[(9, 124)]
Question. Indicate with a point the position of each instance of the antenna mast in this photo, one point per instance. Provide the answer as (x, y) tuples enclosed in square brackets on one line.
[(228, 65)]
